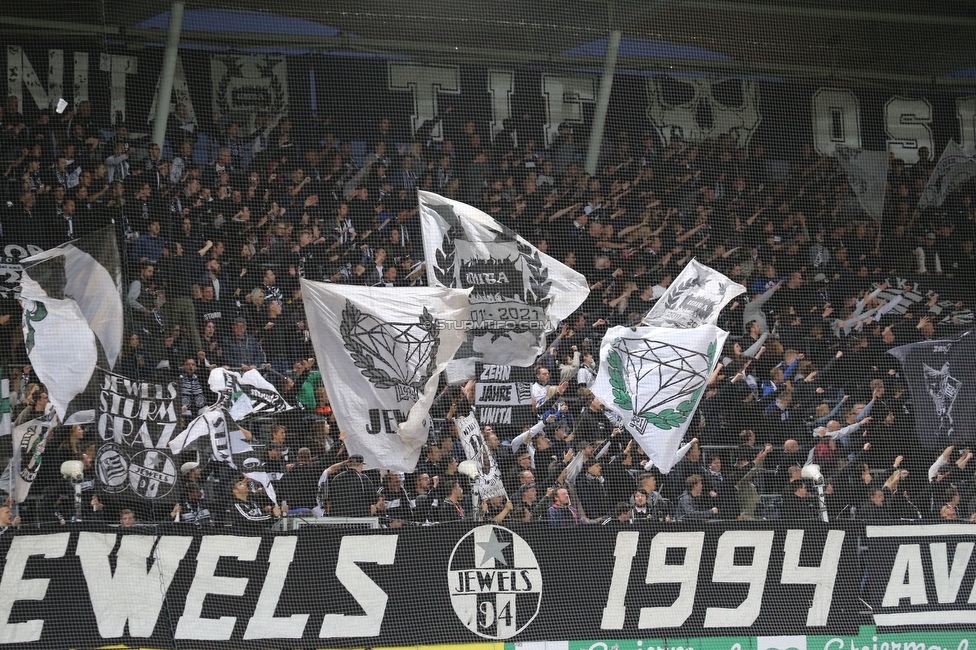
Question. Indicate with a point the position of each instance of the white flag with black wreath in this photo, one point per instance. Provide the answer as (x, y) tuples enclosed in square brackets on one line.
[(867, 174), (246, 394), (518, 295), (654, 378), (694, 298), (381, 353)]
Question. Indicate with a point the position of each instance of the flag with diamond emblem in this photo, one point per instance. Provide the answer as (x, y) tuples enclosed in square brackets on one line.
[(381, 353)]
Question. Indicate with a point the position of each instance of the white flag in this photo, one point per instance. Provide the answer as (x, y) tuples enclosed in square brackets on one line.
[(381, 353), (489, 482), (695, 298), (29, 442), (215, 430), (519, 293), (92, 277), (955, 168), (867, 174), (60, 344), (246, 393), (654, 377)]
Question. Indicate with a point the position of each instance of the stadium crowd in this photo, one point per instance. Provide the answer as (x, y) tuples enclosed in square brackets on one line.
[(213, 252)]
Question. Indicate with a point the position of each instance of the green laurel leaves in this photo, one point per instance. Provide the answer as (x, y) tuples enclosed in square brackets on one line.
[(615, 368), (669, 418)]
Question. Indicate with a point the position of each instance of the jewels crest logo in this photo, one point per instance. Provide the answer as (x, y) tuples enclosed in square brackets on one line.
[(495, 582)]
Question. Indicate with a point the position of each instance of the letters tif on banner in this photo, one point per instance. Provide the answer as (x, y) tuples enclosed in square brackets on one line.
[(136, 421)]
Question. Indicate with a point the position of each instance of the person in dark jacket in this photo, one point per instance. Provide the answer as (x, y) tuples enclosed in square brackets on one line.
[(242, 350), (249, 517), (352, 493), (797, 504), (592, 489), (689, 503), (560, 513)]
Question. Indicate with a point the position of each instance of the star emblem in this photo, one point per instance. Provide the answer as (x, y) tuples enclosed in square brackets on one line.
[(492, 550)]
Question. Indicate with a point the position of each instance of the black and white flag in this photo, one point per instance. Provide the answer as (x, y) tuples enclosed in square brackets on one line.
[(503, 396), (381, 354), (518, 295), (695, 298), (136, 422), (72, 296), (941, 378), (215, 431), (489, 481), (246, 394), (955, 168), (867, 174), (29, 441)]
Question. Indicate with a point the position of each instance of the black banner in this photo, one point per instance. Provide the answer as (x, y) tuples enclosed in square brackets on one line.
[(446, 584), (942, 380), (137, 420), (503, 396)]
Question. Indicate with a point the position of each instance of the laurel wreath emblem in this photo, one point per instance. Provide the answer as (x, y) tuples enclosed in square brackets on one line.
[(361, 357), (666, 419)]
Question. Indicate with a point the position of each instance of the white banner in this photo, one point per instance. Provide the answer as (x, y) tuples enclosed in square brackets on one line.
[(654, 377), (489, 482), (381, 353), (518, 293), (244, 394), (29, 442), (694, 298), (867, 174), (955, 168)]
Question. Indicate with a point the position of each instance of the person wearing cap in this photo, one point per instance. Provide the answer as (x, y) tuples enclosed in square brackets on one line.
[(242, 350), (529, 504), (928, 256), (352, 493)]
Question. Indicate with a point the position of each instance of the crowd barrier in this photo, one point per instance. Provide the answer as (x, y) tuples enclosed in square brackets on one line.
[(734, 585)]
